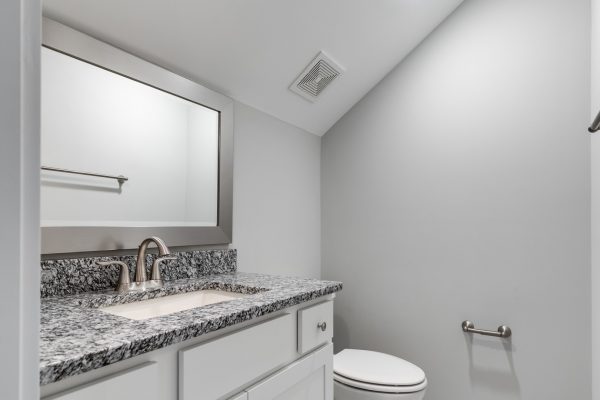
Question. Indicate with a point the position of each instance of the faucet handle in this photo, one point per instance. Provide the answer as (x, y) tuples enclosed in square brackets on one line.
[(155, 272), (123, 274)]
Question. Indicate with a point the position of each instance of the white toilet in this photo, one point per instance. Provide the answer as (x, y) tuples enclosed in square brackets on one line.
[(369, 375)]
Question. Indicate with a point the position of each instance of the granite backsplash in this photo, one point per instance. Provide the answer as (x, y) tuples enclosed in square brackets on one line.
[(79, 275)]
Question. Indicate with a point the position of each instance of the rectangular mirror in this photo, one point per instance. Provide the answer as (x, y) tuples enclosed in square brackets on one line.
[(129, 150), (164, 146)]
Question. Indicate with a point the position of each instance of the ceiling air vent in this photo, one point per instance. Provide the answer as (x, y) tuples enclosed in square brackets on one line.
[(316, 77)]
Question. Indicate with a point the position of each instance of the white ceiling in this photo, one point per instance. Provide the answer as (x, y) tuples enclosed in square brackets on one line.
[(252, 50)]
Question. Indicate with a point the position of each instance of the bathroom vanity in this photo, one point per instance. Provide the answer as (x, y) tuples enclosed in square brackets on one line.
[(271, 342), (191, 327)]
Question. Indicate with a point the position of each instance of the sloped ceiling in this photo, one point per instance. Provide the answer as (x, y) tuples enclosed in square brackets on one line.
[(252, 50)]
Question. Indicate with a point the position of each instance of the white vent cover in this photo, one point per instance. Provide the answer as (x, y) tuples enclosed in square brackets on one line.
[(316, 77)]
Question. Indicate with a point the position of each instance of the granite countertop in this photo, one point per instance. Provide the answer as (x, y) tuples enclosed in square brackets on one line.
[(76, 336)]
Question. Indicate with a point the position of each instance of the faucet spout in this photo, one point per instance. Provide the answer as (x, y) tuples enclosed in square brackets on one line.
[(140, 269)]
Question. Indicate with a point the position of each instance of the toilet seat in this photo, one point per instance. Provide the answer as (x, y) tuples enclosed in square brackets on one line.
[(379, 388), (377, 372)]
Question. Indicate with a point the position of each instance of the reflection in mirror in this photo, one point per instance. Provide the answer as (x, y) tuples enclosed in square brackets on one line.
[(99, 122)]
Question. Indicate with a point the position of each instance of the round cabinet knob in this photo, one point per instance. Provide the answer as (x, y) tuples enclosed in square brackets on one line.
[(322, 326)]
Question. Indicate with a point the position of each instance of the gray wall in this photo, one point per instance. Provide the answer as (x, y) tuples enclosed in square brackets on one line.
[(19, 215), (276, 195), (460, 188)]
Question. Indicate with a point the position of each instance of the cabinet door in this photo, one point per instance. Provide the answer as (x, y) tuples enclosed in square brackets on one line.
[(310, 378), (136, 383)]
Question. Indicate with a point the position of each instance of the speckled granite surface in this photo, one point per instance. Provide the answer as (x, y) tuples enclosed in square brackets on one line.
[(76, 336), (80, 275)]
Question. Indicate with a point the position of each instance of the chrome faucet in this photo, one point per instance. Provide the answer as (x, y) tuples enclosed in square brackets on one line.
[(140, 269), (141, 280)]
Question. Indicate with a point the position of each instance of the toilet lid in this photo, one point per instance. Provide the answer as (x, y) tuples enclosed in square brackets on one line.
[(376, 368)]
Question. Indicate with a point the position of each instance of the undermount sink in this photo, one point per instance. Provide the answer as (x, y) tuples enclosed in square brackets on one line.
[(145, 309)]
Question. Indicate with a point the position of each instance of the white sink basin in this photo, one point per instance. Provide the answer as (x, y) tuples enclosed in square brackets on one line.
[(145, 309)]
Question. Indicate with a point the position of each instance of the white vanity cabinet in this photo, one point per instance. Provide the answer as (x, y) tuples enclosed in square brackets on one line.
[(284, 356)]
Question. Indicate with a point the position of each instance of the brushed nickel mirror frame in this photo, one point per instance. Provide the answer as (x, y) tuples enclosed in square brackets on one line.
[(60, 240)]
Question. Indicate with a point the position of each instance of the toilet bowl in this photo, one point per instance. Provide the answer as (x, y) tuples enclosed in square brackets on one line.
[(369, 375)]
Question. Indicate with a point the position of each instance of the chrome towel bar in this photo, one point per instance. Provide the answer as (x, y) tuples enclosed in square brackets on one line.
[(502, 332), (121, 179)]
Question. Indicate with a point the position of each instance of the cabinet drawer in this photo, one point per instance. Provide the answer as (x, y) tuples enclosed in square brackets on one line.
[(311, 331), (136, 383), (310, 378), (214, 369)]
